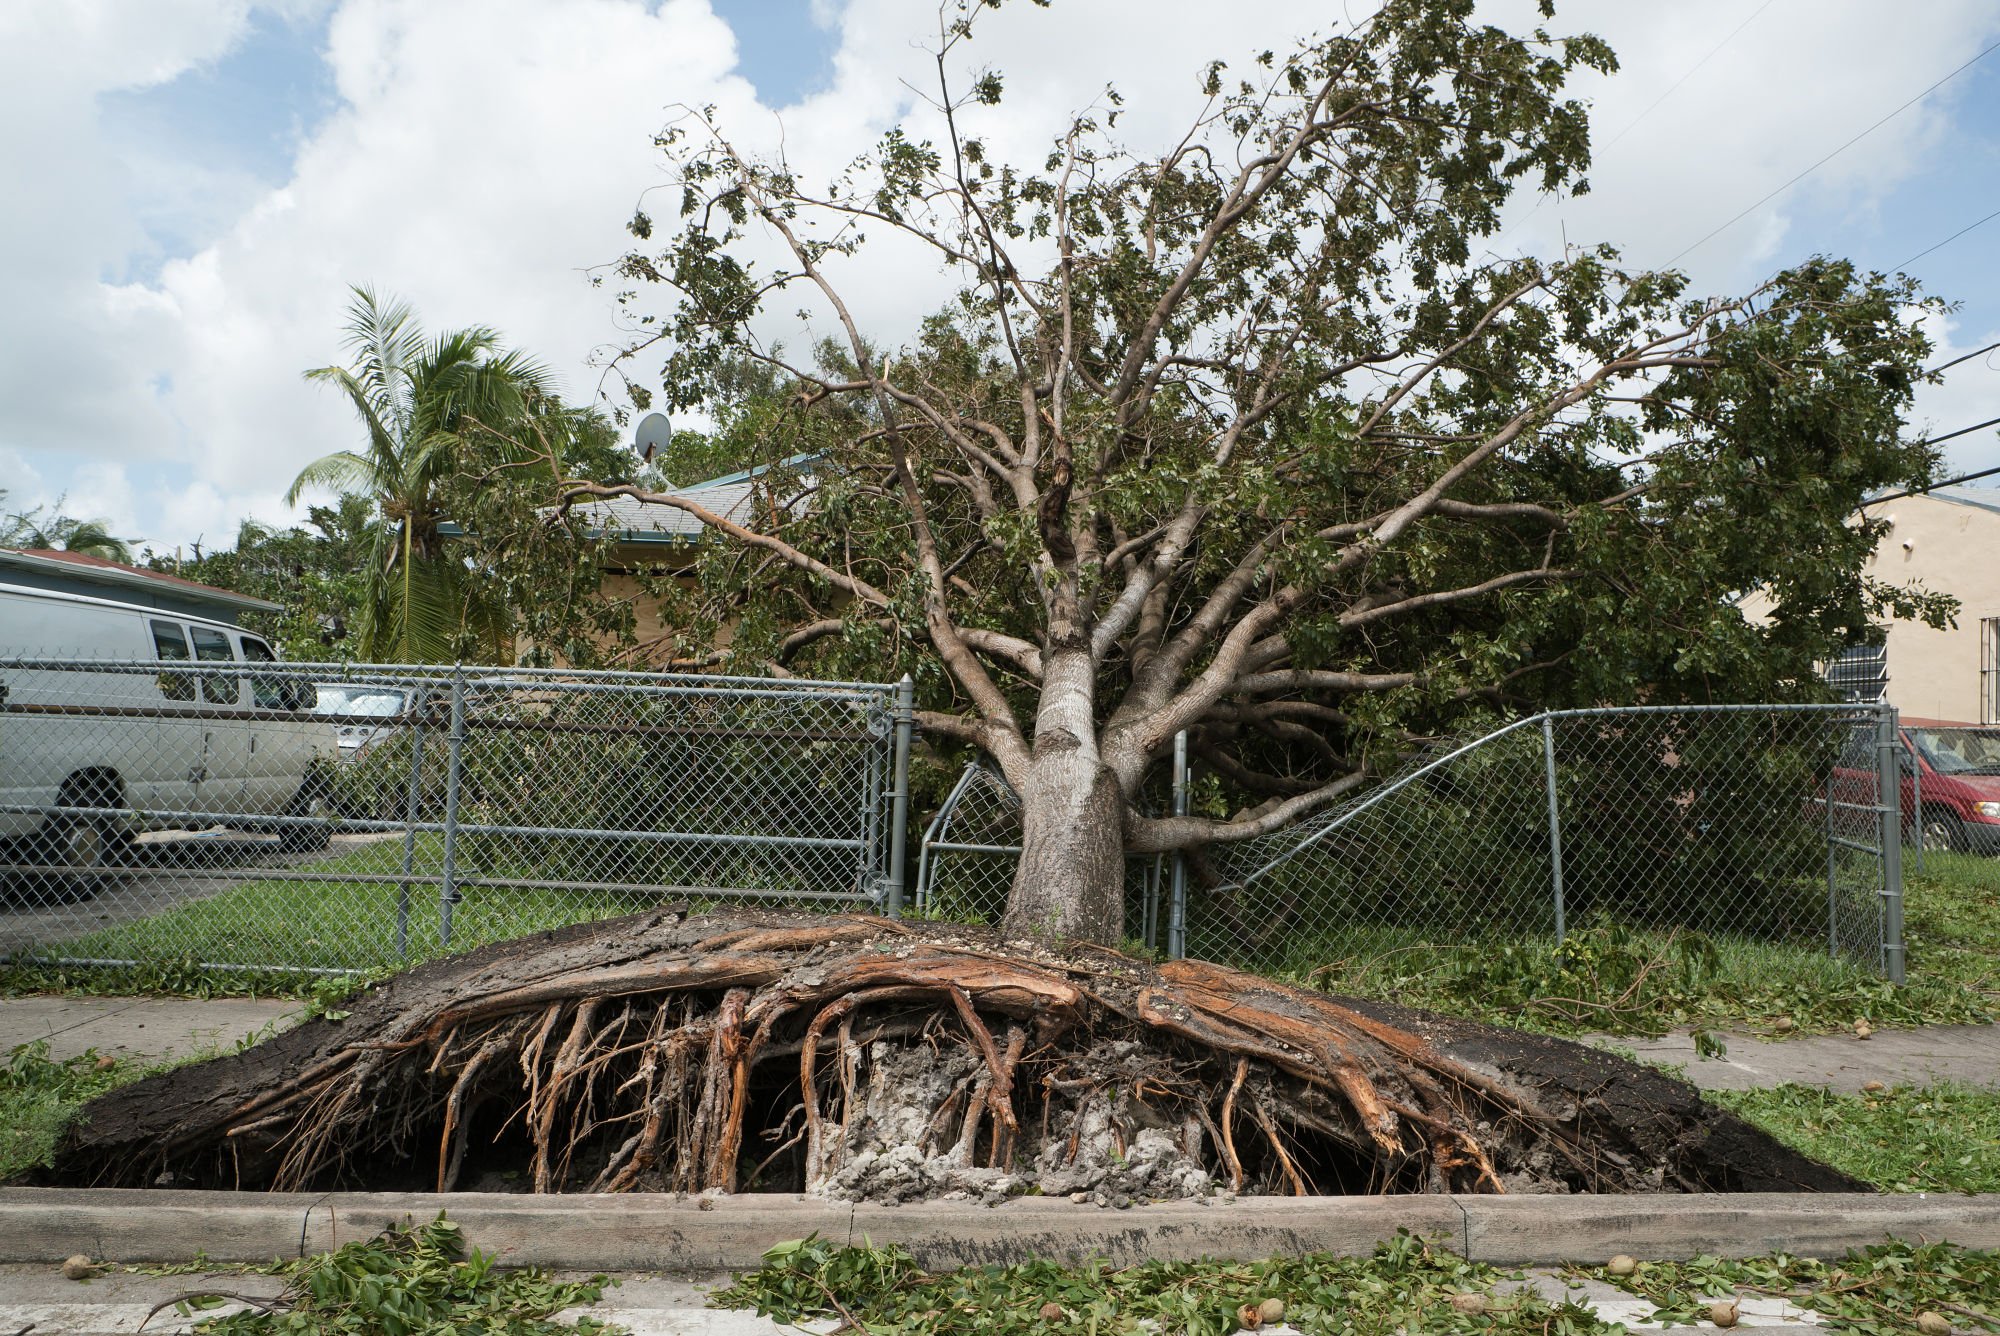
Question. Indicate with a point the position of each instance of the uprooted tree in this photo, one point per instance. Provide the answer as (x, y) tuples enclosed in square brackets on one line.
[(1241, 440), (1252, 438), (864, 1058)]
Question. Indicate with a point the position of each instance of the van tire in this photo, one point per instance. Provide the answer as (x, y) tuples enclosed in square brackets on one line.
[(1943, 831), (315, 800), (81, 849)]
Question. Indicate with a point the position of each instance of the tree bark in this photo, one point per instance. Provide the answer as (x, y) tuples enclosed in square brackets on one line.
[(1070, 881)]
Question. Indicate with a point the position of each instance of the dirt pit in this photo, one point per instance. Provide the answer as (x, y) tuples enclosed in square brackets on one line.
[(860, 1058)]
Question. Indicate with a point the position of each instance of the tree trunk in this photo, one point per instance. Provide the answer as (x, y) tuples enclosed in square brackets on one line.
[(1071, 878)]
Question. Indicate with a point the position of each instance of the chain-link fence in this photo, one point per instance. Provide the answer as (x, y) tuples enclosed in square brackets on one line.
[(223, 813), (1771, 822), (965, 865)]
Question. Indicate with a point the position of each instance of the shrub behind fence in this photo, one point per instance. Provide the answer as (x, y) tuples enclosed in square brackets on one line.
[(1756, 821)]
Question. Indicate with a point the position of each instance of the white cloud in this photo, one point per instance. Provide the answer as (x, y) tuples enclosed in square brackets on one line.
[(487, 151)]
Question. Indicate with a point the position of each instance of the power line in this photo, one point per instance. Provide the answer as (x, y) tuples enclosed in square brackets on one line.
[(1946, 366), (1941, 482), (1904, 264), (1964, 431), (1651, 107), (1759, 203), (1691, 72)]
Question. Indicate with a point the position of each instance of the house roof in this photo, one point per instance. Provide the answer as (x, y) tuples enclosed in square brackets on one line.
[(98, 571), (625, 519), (1979, 498)]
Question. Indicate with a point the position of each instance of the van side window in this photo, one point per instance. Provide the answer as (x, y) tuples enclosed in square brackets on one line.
[(213, 647), (267, 693), (170, 645)]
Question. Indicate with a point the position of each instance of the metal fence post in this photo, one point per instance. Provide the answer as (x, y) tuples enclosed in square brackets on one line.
[(1555, 824), (1829, 791), (1887, 742), (1177, 905), (454, 756), (899, 796), (412, 808)]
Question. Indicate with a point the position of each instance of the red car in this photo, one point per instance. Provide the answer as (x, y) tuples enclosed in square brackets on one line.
[(1959, 782)]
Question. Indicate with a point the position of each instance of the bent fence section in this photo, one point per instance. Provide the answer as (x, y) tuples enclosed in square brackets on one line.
[(1780, 823), (337, 818)]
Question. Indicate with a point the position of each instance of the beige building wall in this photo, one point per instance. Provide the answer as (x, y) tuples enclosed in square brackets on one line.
[(1950, 546), (1948, 542)]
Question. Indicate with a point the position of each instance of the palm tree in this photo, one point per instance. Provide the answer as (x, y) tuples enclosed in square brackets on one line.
[(48, 527), (427, 404)]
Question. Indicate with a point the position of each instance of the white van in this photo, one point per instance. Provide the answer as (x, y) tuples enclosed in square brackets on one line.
[(168, 750)]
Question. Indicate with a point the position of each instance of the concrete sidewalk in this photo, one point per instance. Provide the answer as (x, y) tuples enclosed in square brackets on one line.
[(1969, 1054), (142, 1029), (644, 1235)]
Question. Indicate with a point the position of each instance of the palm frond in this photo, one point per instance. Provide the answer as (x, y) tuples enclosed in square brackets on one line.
[(389, 344), (341, 471), (383, 437), (92, 538)]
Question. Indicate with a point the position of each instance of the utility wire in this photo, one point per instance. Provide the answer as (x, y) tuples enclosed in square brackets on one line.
[(1964, 431), (1651, 107), (1904, 264), (1759, 203), (1692, 70), (1946, 366), (1941, 482)]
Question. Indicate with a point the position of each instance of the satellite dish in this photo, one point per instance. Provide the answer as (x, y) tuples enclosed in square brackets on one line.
[(652, 434)]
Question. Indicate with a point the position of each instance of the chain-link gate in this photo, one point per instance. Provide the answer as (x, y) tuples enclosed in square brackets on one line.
[(231, 814), (1781, 823)]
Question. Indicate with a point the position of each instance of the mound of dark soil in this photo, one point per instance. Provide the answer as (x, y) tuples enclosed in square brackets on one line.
[(860, 1057)]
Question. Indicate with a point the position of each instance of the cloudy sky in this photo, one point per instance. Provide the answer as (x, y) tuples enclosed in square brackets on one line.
[(193, 184)]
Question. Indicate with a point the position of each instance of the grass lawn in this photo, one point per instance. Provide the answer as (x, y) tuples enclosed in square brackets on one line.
[(1603, 979), (1940, 1138), (280, 928), (1410, 1284), (1612, 979)]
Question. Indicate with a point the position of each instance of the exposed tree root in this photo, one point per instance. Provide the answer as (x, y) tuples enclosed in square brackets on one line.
[(858, 1056)]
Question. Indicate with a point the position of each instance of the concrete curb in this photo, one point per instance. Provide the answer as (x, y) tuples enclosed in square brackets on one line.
[(661, 1233)]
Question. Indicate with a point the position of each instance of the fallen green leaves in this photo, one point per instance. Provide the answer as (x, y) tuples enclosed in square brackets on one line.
[(1409, 1284), (409, 1281), (38, 1095), (1879, 1291), (1939, 1138), (1619, 980)]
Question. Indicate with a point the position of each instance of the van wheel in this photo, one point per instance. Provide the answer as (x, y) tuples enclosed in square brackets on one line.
[(313, 801), (78, 852), (1942, 831)]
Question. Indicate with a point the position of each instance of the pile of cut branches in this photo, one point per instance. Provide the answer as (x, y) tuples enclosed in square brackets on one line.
[(862, 1057)]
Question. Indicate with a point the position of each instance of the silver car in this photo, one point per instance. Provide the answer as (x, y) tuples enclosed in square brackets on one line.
[(358, 704)]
